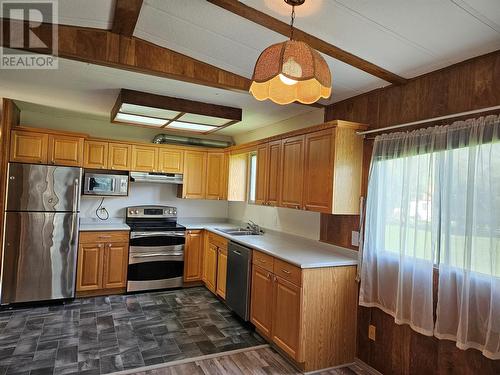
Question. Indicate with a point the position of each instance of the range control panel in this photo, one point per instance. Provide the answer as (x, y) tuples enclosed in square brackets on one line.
[(151, 211)]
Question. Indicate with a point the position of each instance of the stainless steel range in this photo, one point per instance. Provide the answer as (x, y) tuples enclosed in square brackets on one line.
[(156, 254)]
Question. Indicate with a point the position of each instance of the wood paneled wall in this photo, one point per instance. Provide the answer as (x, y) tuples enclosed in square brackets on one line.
[(469, 85)]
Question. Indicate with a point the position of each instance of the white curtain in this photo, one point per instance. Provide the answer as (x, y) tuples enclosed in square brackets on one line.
[(468, 309), (400, 232), (434, 201)]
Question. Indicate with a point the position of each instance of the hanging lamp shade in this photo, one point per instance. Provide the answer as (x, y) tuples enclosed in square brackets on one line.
[(291, 71)]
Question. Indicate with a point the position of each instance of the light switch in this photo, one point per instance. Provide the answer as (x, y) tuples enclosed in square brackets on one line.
[(354, 238)]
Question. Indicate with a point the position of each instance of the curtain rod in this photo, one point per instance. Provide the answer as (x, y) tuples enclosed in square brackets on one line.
[(429, 120)]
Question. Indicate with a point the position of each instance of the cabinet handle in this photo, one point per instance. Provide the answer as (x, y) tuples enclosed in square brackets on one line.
[(269, 276), (285, 271), (104, 236), (261, 260), (109, 245), (99, 246)]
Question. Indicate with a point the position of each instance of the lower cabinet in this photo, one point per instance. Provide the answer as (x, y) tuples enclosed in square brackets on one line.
[(102, 262), (215, 264), (210, 267), (309, 314), (221, 272), (193, 256)]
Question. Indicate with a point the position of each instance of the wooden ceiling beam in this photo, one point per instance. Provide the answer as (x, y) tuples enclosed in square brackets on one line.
[(271, 23), (125, 16)]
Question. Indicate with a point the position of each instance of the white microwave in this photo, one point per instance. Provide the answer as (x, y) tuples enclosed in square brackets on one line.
[(105, 184)]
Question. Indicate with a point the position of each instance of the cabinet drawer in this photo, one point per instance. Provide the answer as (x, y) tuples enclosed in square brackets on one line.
[(114, 236), (263, 260), (218, 241), (288, 272)]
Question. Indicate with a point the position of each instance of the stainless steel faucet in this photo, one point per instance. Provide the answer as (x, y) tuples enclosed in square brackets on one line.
[(254, 227)]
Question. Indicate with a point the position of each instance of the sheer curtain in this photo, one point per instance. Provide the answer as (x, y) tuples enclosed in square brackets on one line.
[(468, 309), (434, 200), (400, 231)]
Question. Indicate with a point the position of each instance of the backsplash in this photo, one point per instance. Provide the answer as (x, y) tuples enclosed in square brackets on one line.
[(151, 194), (301, 223)]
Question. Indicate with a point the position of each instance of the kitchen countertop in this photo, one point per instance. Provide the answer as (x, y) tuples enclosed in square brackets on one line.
[(300, 251), (96, 225)]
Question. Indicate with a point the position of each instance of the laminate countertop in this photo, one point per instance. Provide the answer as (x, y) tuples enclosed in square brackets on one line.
[(300, 251), (93, 225)]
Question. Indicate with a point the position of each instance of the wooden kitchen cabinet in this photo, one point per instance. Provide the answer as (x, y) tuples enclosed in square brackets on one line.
[(95, 155), (102, 262), (193, 256), (195, 175), (210, 267), (28, 147), (215, 176), (221, 272), (170, 161), (310, 314), (261, 183), (120, 156), (292, 172), (144, 158), (65, 150), (268, 173), (287, 299), (261, 304)]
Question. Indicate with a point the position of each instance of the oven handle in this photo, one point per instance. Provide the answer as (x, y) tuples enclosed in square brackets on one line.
[(156, 255), (154, 234)]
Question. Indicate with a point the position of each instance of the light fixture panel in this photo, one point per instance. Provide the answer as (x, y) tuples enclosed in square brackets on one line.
[(148, 111), (201, 119), (140, 120), (200, 128)]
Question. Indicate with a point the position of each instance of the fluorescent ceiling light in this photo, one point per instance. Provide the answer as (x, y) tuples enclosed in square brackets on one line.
[(201, 119), (190, 127), (141, 120), (148, 111)]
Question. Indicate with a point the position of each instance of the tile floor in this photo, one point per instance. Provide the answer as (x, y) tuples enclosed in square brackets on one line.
[(107, 334)]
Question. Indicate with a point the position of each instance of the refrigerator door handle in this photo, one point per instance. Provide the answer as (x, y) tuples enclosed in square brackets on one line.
[(75, 194)]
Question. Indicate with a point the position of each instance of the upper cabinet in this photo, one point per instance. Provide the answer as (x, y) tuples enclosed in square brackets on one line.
[(170, 160), (144, 158), (292, 172), (28, 147), (43, 148), (195, 175), (120, 156), (216, 176), (319, 170), (95, 155)]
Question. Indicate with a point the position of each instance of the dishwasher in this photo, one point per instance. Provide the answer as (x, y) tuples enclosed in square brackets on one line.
[(239, 259)]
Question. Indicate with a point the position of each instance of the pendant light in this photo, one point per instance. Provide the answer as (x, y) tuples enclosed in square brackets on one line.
[(291, 71)]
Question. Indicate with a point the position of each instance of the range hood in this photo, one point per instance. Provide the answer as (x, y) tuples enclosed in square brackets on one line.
[(161, 178)]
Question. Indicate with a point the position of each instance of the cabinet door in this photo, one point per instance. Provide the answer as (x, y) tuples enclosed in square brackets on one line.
[(119, 156), (95, 155), (65, 150), (170, 161), (90, 267), (274, 173), (318, 171), (193, 256), (261, 176), (210, 267), (221, 273), (292, 172), (144, 158), (28, 147), (215, 176), (195, 172), (286, 316), (115, 265), (261, 305)]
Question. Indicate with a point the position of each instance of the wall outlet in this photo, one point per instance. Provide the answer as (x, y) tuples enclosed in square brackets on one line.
[(372, 332), (354, 238)]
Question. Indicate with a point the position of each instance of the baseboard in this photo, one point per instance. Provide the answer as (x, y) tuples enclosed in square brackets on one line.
[(366, 367), (188, 360)]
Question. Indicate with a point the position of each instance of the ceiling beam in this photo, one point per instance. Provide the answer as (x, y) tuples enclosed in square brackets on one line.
[(103, 47), (126, 16), (280, 27)]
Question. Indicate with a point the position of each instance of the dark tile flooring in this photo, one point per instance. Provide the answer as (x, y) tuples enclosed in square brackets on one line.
[(107, 334)]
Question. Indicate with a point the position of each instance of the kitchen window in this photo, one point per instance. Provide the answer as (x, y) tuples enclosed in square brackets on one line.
[(252, 177), (434, 202)]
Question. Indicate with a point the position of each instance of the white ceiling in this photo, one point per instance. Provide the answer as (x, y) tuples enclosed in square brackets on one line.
[(407, 37)]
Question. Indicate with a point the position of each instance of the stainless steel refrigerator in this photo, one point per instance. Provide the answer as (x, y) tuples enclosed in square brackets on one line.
[(41, 233)]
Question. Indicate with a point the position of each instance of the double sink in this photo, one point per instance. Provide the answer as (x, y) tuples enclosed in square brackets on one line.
[(239, 231)]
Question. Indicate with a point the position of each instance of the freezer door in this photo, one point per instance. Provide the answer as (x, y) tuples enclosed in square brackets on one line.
[(33, 187), (40, 251)]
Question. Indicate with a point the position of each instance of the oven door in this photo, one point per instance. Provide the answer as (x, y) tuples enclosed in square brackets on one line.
[(156, 260)]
